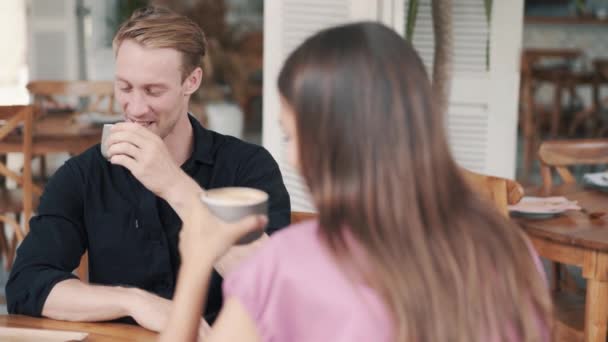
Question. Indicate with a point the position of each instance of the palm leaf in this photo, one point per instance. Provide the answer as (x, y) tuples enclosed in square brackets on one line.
[(412, 13)]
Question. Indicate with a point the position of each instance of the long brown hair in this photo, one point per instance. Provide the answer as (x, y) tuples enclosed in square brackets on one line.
[(374, 154)]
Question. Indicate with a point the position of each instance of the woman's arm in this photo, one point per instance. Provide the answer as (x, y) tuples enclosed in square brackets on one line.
[(188, 302), (203, 239), (233, 323)]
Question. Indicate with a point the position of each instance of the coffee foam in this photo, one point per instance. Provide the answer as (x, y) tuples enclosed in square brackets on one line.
[(235, 196)]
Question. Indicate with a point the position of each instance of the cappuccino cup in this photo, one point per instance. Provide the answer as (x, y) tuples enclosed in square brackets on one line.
[(232, 204)]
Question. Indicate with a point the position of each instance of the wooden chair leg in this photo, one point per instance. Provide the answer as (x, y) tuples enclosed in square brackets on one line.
[(579, 118), (83, 269), (557, 277), (43, 167), (596, 316), (14, 242), (12, 249), (557, 110), (528, 128), (4, 247)]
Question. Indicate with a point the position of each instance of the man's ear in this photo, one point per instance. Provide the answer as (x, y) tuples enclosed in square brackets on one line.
[(193, 81)]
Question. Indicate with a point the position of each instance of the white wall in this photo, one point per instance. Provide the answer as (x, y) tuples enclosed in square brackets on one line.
[(13, 66)]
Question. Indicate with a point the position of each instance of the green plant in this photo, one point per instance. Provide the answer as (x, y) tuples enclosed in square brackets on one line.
[(581, 6), (122, 11), (412, 14)]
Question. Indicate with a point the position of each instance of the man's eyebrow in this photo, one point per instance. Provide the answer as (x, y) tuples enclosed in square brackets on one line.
[(156, 85), (147, 85)]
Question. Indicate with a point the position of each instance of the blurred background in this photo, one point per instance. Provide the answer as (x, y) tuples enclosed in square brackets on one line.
[(522, 71), (71, 40)]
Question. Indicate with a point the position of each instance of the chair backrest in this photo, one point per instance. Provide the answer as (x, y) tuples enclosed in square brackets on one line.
[(530, 57), (560, 154), (601, 67), (501, 191), (15, 117), (97, 92), (299, 216)]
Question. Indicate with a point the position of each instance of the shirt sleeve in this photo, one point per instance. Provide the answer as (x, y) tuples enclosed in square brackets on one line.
[(262, 172), (254, 284), (53, 247)]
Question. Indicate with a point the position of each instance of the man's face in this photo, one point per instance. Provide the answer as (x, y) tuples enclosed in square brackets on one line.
[(148, 86), (287, 121)]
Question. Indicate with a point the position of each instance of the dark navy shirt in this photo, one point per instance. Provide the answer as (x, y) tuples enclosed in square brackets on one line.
[(130, 234)]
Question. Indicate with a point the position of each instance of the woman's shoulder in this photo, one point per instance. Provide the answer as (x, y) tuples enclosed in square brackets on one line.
[(287, 245), (306, 230), (295, 277), (283, 245)]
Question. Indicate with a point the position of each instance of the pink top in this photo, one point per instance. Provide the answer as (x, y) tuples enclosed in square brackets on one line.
[(295, 291)]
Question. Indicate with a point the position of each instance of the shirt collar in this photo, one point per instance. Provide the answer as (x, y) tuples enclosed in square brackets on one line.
[(203, 142)]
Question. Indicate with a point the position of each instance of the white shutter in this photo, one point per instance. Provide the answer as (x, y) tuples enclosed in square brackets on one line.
[(482, 114), (52, 45), (98, 35), (286, 24)]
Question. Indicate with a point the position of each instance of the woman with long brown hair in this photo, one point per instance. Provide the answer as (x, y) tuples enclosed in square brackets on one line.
[(403, 250)]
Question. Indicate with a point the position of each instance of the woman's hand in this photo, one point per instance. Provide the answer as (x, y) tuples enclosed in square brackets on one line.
[(205, 238)]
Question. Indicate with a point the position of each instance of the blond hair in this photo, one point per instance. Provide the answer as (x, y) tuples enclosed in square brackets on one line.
[(159, 27)]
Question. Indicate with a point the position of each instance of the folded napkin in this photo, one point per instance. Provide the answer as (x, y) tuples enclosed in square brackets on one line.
[(555, 204), (597, 178)]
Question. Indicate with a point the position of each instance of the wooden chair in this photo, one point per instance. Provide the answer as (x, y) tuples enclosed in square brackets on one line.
[(52, 96), (533, 73), (560, 154), (502, 191), (299, 216), (601, 66), (590, 115), (17, 201), (46, 95)]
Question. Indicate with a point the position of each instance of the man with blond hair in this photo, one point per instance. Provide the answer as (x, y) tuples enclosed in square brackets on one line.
[(99, 205)]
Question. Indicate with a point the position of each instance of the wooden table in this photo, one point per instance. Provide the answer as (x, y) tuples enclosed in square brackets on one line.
[(98, 332), (56, 133), (575, 238)]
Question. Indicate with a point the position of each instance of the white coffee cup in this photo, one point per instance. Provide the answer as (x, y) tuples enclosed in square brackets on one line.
[(235, 203), (104, 135)]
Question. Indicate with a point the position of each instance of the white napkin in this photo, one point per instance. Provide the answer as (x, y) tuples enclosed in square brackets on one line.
[(542, 205)]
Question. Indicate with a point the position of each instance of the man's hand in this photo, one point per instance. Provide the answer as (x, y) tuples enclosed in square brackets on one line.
[(145, 155), (152, 312)]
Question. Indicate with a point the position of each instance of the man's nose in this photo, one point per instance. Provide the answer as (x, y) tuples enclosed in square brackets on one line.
[(136, 105)]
